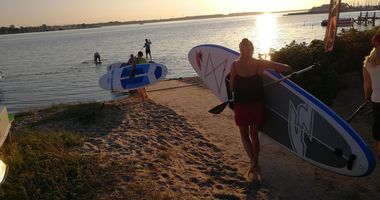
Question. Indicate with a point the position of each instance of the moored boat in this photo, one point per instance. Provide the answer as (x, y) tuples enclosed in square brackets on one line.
[(341, 22)]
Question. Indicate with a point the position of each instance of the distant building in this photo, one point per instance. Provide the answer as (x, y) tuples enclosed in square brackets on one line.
[(325, 8)]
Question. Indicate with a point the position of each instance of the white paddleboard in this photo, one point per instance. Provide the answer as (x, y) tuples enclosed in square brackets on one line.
[(118, 78), (294, 118)]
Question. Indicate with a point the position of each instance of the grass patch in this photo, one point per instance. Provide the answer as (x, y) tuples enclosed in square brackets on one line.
[(46, 164), (84, 113), (23, 115), (42, 166)]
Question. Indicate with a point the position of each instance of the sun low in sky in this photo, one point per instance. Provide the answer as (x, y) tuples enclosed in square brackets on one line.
[(58, 12)]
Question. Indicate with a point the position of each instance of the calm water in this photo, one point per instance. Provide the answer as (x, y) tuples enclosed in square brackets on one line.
[(41, 69)]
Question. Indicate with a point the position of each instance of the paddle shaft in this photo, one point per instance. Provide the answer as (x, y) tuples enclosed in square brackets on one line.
[(219, 108), (294, 74), (357, 111)]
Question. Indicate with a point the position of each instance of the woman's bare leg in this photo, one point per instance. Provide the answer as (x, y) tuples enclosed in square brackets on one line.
[(244, 133), (254, 135)]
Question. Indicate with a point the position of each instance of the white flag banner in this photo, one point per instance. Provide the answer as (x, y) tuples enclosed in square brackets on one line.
[(332, 24)]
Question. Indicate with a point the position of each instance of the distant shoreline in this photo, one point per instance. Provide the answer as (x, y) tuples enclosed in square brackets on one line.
[(44, 28)]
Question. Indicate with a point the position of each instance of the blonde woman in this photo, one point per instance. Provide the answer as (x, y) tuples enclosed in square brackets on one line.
[(371, 79), (247, 85)]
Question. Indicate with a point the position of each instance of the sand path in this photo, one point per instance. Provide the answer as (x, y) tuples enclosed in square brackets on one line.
[(285, 176)]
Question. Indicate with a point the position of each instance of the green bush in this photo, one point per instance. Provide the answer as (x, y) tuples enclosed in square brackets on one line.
[(350, 48), (322, 82)]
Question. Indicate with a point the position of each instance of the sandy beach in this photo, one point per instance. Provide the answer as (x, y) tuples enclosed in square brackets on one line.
[(178, 149), (284, 175)]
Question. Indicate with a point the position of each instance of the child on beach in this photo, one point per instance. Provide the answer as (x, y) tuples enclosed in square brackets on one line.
[(247, 85), (371, 79), (132, 61)]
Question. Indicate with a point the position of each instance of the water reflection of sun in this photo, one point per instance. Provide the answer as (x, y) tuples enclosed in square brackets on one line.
[(266, 25)]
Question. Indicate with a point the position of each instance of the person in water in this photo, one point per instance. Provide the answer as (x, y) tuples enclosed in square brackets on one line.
[(97, 57), (140, 60), (147, 49), (246, 83), (371, 82)]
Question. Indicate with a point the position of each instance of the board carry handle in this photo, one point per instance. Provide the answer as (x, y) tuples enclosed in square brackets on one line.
[(219, 108)]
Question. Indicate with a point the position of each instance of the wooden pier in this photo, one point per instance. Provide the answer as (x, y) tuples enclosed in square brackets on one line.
[(366, 19)]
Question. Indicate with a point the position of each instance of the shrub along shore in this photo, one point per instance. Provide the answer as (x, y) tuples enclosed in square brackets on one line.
[(351, 46)]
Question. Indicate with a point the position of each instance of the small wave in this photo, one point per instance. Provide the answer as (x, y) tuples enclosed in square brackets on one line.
[(91, 62), (66, 71)]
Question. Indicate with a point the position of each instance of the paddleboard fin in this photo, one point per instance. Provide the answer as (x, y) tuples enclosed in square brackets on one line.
[(350, 160)]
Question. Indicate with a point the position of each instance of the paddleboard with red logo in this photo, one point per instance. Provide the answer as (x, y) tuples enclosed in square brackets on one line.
[(294, 118)]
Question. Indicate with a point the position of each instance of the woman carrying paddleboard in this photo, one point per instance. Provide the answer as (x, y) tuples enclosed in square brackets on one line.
[(371, 78), (246, 84)]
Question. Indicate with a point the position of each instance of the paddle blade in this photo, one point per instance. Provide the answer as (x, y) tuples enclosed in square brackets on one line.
[(219, 108)]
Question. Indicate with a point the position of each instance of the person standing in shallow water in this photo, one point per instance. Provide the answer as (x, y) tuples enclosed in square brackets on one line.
[(246, 83), (371, 79), (97, 57), (147, 49)]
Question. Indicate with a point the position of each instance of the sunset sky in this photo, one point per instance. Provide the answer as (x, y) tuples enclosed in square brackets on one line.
[(60, 12)]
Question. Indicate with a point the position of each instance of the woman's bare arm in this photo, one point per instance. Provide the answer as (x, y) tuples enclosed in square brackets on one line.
[(280, 67)]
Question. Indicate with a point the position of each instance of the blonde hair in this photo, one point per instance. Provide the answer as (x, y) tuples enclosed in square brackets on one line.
[(246, 48), (373, 58)]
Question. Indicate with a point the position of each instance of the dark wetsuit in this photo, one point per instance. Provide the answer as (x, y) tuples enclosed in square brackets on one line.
[(249, 99), (147, 47), (97, 57)]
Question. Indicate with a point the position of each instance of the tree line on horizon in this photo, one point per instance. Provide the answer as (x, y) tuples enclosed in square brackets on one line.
[(12, 29)]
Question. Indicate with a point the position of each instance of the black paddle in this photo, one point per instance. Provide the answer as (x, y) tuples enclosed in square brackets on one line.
[(219, 108), (357, 111)]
